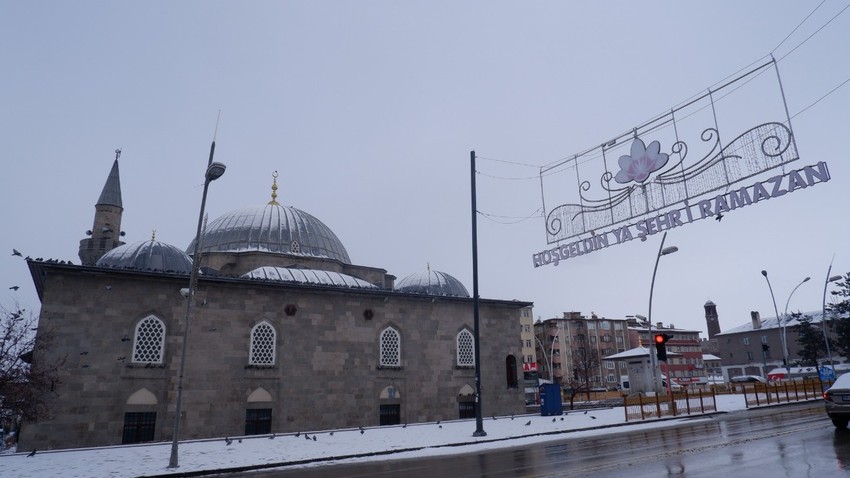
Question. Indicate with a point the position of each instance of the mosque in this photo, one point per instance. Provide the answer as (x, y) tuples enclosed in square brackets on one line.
[(286, 335)]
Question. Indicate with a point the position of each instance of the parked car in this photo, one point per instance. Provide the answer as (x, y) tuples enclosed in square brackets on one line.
[(748, 379), (837, 401)]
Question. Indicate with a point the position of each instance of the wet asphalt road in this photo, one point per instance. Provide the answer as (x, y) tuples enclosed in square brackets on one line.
[(787, 441)]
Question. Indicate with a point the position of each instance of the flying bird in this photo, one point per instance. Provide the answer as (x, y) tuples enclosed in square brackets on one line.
[(719, 217), (16, 253), (32, 453), (528, 423), (14, 287)]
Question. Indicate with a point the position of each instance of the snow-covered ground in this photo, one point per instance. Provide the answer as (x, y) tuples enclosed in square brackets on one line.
[(314, 448)]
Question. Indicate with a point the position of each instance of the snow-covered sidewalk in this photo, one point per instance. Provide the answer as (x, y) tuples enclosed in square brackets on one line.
[(311, 448)]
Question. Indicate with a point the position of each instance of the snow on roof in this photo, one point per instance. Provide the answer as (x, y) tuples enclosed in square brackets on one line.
[(772, 323), (307, 276)]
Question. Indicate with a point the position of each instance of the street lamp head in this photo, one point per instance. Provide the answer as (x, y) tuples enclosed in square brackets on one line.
[(806, 279), (640, 317), (669, 250), (834, 278), (215, 171), (764, 273)]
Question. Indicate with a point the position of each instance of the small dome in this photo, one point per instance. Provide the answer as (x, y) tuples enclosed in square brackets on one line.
[(432, 283), (307, 276), (709, 303), (148, 255), (272, 228)]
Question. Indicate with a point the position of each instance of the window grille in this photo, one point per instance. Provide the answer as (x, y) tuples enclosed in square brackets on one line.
[(139, 427), (258, 421), (262, 344), (465, 349), (149, 341), (390, 348)]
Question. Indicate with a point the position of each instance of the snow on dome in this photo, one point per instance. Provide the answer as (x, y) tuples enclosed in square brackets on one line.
[(307, 276), (432, 283), (709, 303), (148, 255), (272, 228)]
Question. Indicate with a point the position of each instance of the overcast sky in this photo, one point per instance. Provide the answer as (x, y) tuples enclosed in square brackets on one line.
[(369, 111)]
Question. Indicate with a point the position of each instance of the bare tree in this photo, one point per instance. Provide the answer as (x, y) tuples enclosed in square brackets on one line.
[(24, 385), (585, 367)]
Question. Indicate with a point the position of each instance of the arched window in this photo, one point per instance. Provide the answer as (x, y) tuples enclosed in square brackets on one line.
[(510, 372), (262, 344), (149, 340), (390, 348), (465, 349)]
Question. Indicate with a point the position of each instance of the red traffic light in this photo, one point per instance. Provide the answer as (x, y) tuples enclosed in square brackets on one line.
[(661, 339)]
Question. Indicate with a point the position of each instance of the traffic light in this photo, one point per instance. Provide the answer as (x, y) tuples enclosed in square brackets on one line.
[(660, 346), (765, 347)]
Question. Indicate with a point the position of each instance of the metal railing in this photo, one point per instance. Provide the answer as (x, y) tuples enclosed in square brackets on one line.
[(640, 407), (758, 394)]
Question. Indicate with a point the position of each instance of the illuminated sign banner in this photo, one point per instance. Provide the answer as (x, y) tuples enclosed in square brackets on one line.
[(657, 186)]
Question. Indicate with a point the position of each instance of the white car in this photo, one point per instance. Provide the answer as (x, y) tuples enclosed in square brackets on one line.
[(837, 401)]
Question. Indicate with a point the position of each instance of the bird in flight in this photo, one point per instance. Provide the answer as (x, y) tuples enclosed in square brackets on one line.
[(16, 253)]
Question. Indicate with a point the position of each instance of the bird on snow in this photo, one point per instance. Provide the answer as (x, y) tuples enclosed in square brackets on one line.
[(512, 417), (314, 437), (438, 422), (297, 434), (332, 434), (16, 253), (494, 417), (593, 417), (562, 418), (306, 437), (32, 453), (271, 437), (440, 426), (585, 412), (528, 423), (553, 420), (14, 287), (361, 431), (227, 441)]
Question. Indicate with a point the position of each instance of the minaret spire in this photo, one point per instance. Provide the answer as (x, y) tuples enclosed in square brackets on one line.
[(105, 233)]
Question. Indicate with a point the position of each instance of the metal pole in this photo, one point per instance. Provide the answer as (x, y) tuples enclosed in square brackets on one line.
[(479, 422), (823, 314), (652, 359), (776, 311), (785, 323), (173, 461)]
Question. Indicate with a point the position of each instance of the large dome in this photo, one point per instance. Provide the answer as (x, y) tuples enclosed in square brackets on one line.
[(432, 283), (149, 255), (272, 228)]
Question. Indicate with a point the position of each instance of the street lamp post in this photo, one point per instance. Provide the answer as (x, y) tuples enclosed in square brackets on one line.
[(785, 320), (662, 251), (823, 314), (214, 171), (548, 359)]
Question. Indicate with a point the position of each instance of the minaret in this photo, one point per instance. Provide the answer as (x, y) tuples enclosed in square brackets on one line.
[(711, 320), (105, 234)]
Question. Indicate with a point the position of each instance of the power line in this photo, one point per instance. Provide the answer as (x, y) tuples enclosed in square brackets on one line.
[(821, 98), (797, 27), (815, 32)]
